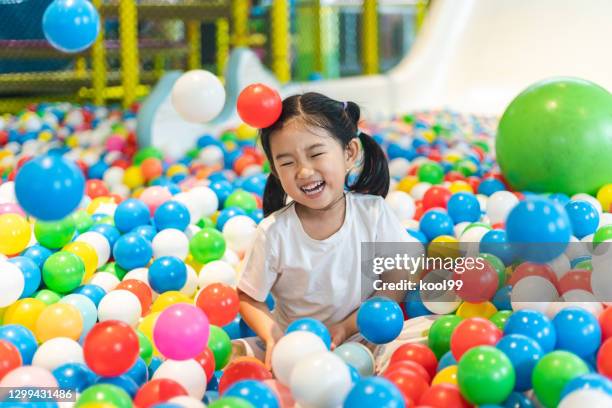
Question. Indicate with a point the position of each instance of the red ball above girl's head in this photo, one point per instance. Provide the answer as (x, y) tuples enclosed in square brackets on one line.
[(259, 105)]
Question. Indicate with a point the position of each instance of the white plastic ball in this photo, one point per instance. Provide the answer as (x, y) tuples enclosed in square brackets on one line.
[(560, 265), (141, 274), (7, 192), (120, 305), (191, 230), (586, 397), (113, 176), (191, 284), (399, 167), (533, 292), (251, 170), (576, 249), (239, 232), (187, 373), (601, 283), (198, 96), (402, 205), (290, 349), (99, 243), (320, 380), (187, 402), (171, 242), (105, 280), (205, 199), (418, 191), (211, 155), (57, 351), (12, 283), (605, 219), (195, 212), (217, 271), (499, 205), (28, 376)]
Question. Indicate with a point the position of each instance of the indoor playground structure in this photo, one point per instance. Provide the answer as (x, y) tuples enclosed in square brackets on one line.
[(132, 184)]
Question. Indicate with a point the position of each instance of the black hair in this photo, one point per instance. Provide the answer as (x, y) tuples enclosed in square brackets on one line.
[(340, 119)]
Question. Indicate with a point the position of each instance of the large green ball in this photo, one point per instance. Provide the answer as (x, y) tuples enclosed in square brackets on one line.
[(105, 393), (556, 136), (54, 234), (63, 272), (220, 345), (440, 334), (552, 373), (485, 375), (207, 245)]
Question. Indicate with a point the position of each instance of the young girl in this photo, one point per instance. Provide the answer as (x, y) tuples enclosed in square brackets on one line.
[(307, 253)]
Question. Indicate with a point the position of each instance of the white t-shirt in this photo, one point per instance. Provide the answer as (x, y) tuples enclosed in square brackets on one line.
[(316, 278)]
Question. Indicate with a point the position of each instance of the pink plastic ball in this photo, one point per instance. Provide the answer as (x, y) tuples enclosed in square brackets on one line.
[(155, 196), (181, 332), (114, 143), (28, 376), (11, 208)]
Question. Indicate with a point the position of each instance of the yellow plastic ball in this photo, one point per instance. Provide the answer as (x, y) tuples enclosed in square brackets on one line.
[(24, 312), (444, 246), (5, 153), (59, 320), (193, 263), (45, 136), (169, 298), (246, 132), (448, 375), (429, 135), (95, 204), (407, 183), (452, 157), (96, 405), (132, 177), (87, 254), (72, 141), (137, 192), (146, 326), (213, 217), (483, 309), (604, 196), (15, 233), (177, 169), (460, 186)]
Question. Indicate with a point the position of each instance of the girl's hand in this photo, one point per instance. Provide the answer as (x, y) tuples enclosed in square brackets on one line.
[(270, 343), (338, 334)]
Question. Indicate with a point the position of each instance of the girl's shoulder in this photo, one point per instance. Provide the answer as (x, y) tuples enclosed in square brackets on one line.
[(277, 222), (366, 202)]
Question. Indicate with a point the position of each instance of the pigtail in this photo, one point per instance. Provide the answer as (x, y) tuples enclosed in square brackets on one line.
[(274, 197), (374, 176)]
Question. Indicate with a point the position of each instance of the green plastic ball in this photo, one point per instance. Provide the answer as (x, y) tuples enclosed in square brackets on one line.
[(220, 345), (485, 375), (63, 272), (114, 269), (440, 334), (48, 297), (205, 222), (105, 393), (147, 152), (499, 267), (556, 136), (207, 245), (54, 235), (145, 347), (431, 173), (500, 318), (231, 402), (242, 199), (82, 221), (552, 373), (602, 234)]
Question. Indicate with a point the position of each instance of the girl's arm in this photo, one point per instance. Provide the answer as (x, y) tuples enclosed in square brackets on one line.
[(258, 317)]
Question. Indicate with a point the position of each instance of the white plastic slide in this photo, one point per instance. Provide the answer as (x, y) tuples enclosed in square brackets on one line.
[(472, 56)]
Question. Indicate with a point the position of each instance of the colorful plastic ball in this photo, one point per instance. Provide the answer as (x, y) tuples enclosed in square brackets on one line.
[(572, 280), (56, 179), (535, 325), (63, 272), (104, 395), (473, 332), (577, 331), (220, 303), (99, 243), (188, 373), (31, 274), (15, 234), (435, 223), (485, 375), (57, 351), (586, 398), (132, 251), (553, 372), (228, 213), (447, 375), (374, 392), (239, 232), (313, 326), (138, 372), (109, 232), (436, 197), (540, 228), (231, 402), (589, 381), (431, 173), (358, 356), (255, 392), (500, 318), (74, 376), (71, 26), (464, 207), (207, 245), (111, 348), (380, 320), (446, 360), (54, 234), (38, 254), (10, 358), (241, 199), (155, 196), (198, 96), (24, 312), (604, 359), (48, 297), (439, 339), (242, 370), (443, 395), (479, 282), (130, 214), (93, 292), (495, 242), (86, 308), (583, 217), (259, 105), (167, 273), (206, 359), (220, 345), (22, 338), (418, 353), (125, 383), (532, 137), (59, 320), (181, 332), (490, 186), (87, 254), (171, 214), (141, 290), (12, 283), (290, 349), (524, 353), (414, 305)]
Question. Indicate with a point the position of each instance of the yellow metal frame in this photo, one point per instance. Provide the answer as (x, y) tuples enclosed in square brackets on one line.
[(280, 40)]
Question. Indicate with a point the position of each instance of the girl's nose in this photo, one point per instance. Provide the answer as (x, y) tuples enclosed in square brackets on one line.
[(305, 172)]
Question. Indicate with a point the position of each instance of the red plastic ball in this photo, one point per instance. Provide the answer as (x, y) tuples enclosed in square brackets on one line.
[(156, 391), (206, 360), (473, 332), (411, 365), (533, 269), (142, 291), (111, 348), (242, 370), (444, 396), (10, 358), (454, 176), (479, 281), (474, 182), (409, 383), (605, 321), (436, 196), (419, 353), (220, 303), (604, 359), (3, 137), (259, 105), (576, 279), (96, 188), (243, 162)]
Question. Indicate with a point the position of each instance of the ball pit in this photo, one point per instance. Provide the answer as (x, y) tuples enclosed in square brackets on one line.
[(126, 290)]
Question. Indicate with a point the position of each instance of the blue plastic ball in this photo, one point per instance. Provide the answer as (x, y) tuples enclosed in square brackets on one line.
[(71, 25), (223, 189), (446, 360), (532, 324), (583, 216), (111, 233), (148, 232), (311, 325), (154, 365), (226, 214), (524, 353), (38, 254), (256, 215), (495, 242), (435, 223), (22, 338), (123, 381), (171, 214), (74, 376), (380, 320), (502, 300), (94, 292), (591, 381), (578, 331), (559, 198), (130, 214), (463, 207), (138, 372), (60, 182), (167, 273), (518, 400), (414, 305), (255, 392), (31, 274), (374, 392), (354, 374), (418, 235), (132, 251), (539, 229), (489, 186)]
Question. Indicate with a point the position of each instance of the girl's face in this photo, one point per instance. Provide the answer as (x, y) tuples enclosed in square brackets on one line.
[(311, 164)]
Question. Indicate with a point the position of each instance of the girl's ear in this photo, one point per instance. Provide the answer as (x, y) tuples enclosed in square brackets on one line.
[(352, 152)]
